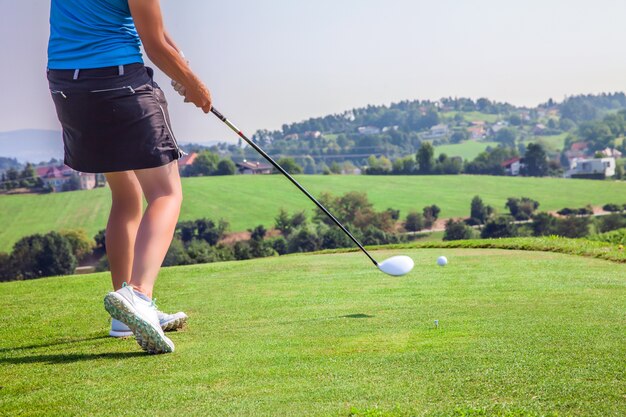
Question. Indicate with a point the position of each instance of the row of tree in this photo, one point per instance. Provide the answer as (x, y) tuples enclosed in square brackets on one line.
[(489, 162)]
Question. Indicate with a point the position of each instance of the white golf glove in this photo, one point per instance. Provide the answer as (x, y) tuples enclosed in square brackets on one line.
[(180, 89)]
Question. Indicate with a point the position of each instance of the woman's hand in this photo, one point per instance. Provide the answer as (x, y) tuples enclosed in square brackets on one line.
[(199, 95)]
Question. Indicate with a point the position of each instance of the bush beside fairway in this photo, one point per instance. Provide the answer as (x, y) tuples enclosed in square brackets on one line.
[(520, 334), (247, 201)]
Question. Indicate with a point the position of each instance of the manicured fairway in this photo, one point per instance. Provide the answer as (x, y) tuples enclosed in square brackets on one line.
[(520, 334), (247, 201)]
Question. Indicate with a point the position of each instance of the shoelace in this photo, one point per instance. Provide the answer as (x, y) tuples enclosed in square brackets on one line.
[(152, 302)]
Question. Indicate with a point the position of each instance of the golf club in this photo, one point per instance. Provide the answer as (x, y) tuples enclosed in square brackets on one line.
[(396, 266)]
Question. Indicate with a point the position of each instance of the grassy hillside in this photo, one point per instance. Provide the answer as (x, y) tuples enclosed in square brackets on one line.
[(520, 334), (247, 201), (467, 150)]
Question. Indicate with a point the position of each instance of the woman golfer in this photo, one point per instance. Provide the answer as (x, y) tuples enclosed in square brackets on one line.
[(115, 121)]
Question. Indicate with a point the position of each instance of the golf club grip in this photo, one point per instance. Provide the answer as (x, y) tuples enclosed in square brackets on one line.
[(296, 183)]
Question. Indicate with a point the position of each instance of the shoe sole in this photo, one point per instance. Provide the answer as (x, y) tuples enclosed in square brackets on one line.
[(175, 324), (148, 338), (168, 326)]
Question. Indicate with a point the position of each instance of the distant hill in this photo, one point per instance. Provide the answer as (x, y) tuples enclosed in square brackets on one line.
[(31, 145)]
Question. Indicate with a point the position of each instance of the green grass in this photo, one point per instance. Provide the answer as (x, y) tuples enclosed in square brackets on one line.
[(474, 116), (467, 150), (247, 201), (520, 334), (554, 143)]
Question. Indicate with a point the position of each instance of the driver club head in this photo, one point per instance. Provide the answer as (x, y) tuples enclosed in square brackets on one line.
[(397, 265)]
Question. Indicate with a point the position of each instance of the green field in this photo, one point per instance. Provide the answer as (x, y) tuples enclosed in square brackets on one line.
[(247, 201), (467, 150), (554, 143), (520, 334), (474, 116)]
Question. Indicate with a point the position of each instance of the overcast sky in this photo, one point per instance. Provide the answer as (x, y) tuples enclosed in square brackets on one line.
[(269, 62)]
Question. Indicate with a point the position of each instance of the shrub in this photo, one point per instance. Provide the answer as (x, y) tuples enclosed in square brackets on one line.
[(414, 222), (226, 167), (81, 244), (103, 264), (303, 240), (521, 209), (287, 224), (457, 230), (6, 270), (203, 229), (279, 244), (332, 237), (479, 213), (176, 254), (611, 222), (544, 224), (612, 207), (498, 228), (573, 227), (241, 251), (616, 237), (38, 256), (584, 211)]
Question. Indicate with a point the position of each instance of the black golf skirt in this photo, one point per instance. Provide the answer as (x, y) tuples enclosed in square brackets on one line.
[(114, 119)]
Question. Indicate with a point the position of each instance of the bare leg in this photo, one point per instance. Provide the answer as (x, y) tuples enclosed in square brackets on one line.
[(124, 219), (162, 189)]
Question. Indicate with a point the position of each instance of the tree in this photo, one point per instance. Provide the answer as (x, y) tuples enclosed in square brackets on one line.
[(619, 171), (289, 165), (515, 120), (457, 230), (287, 224), (226, 167), (431, 214), (425, 158), (498, 228), (205, 164), (414, 222), (176, 254), (303, 240), (544, 224), (6, 267), (613, 221), (573, 227), (521, 209), (535, 161), (72, 184), (479, 213), (82, 245), (459, 136), (43, 255), (506, 136)]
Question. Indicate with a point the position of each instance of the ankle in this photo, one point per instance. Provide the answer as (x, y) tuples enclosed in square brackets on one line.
[(146, 292)]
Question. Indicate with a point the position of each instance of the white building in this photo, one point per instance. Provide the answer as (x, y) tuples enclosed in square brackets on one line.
[(513, 166), (591, 167)]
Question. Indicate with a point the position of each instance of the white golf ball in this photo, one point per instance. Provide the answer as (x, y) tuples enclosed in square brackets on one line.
[(442, 261)]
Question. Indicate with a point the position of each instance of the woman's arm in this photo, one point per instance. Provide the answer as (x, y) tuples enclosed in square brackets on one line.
[(161, 50)]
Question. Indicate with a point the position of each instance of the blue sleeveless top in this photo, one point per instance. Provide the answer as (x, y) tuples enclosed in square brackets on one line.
[(92, 34)]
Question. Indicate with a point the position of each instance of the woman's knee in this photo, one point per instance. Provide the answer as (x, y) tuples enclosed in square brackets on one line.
[(161, 182)]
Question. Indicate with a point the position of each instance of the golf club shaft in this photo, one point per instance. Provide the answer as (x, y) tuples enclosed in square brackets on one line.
[(285, 173)]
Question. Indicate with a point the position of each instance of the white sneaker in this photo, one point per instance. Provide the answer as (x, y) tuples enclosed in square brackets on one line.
[(171, 322), (119, 329), (168, 322), (141, 318)]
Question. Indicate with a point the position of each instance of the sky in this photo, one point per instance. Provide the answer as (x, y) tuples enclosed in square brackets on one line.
[(270, 62)]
